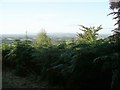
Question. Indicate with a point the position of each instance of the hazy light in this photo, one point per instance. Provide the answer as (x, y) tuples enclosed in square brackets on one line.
[(55, 1)]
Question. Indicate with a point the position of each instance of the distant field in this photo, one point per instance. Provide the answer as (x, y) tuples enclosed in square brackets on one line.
[(56, 37), (52, 35)]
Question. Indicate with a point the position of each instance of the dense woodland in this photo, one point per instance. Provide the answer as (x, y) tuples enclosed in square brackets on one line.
[(87, 62)]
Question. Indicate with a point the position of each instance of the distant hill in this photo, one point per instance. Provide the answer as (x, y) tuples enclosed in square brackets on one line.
[(52, 35)]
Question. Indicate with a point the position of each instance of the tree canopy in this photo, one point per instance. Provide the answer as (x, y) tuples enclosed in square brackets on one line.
[(42, 39), (89, 34)]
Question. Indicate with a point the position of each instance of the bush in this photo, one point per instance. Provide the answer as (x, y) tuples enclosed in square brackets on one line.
[(94, 65), (6, 49)]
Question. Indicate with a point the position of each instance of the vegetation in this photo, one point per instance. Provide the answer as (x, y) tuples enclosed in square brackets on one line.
[(43, 39), (89, 34), (72, 65), (88, 62), (116, 5)]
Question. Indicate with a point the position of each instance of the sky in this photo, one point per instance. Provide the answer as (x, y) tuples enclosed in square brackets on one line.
[(64, 16)]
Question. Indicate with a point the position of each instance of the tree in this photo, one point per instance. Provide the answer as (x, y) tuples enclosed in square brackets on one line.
[(116, 5), (89, 34), (42, 39)]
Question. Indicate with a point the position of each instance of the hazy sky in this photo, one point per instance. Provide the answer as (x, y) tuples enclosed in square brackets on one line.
[(17, 16)]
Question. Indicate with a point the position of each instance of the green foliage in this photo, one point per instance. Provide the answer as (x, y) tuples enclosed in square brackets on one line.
[(90, 62), (18, 57), (43, 39), (23, 56), (94, 64), (6, 49), (61, 69), (116, 13), (89, 34)]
